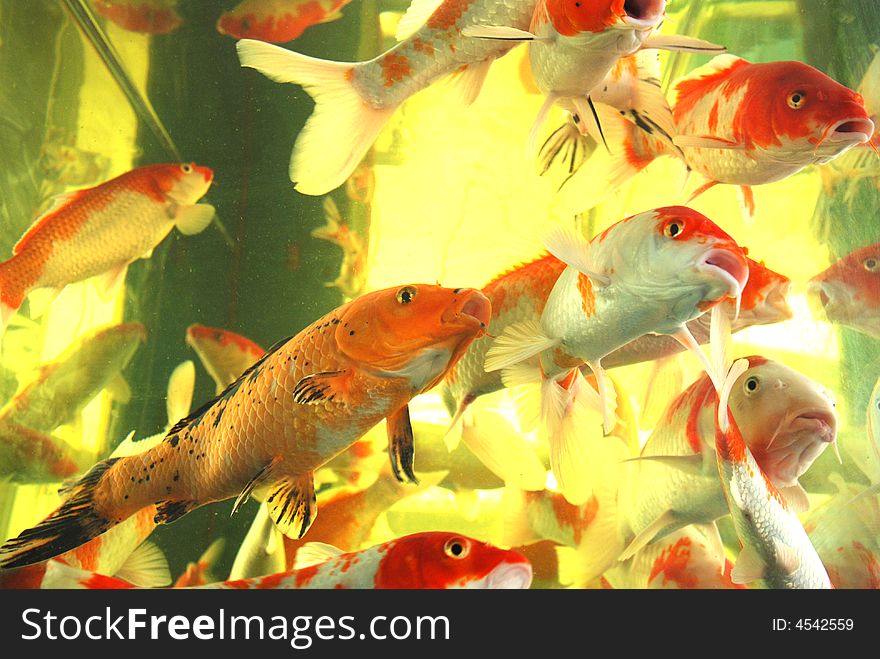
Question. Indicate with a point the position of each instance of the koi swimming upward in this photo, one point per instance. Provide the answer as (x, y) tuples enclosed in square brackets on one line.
[(306, 400)]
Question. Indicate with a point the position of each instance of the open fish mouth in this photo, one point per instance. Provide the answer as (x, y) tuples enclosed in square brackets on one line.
[(776, 303), (819, 423), (728, 266), (473, 306), (831, 300), (643, 13), (857, 130), (510, 576)]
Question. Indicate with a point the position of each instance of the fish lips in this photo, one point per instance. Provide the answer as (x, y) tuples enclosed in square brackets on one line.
[(473, 310), (833, 300), (857, 130), (643, 14), (805, 435), (510, 576), (728, 265)]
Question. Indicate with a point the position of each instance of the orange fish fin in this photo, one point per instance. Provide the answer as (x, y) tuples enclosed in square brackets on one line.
[(401, 449), (107, 282), (260, 478), (328, 385), (703, 188), (292, 504), (168, 511), (748, 201), (59, 203)]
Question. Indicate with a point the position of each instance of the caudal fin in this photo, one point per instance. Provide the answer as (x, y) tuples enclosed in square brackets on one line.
[(343, 124), (72, 524), (11, 294)]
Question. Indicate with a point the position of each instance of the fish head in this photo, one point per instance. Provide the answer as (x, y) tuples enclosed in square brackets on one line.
[(450, 560), (764, 298), (786, 419), (848, 292), (571, 17), (417, 331), (183, 184), (805, 111), (673, 256)]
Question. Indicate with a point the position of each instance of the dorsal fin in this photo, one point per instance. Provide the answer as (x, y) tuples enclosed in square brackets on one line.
[(315, 553), (703, 77), (415, 17), (59, 203)]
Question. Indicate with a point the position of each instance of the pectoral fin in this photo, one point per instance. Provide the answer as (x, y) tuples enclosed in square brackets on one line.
[(646, 535), (194, 219), (689, 464), (786, 557), (146, 567), (500, 33), (292, 505), (749, 567), (328, 385), (796, 498), (315, 553), (401, 448), (681, 43)]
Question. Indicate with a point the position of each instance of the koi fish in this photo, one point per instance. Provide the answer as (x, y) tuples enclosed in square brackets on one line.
[(121, 551), (224, 354), (785, 419), (62, 387), (775, 547), (521, 294), (143, 16), (100, 230), (31, 456), (737, 123), (198, 573), (306, 400), (573, 45), (353, 272), (602, 300), (432, 560), (848, 292), (277, 21)]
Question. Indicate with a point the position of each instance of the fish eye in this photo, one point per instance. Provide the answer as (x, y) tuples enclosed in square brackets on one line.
[(674, 228), (871, 264), (796, 100), (406, 294), (751, 385), (456, 548), (186, 168)]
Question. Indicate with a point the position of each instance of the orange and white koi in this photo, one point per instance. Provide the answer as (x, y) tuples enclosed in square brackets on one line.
[(848, 292), (277, 21), (100, 230), (143, 16), (224, 354), (775, 547), (309, 398), (786, 420), (606, 298), (353, 272), (431, 560), (198, 573), (738, 123)]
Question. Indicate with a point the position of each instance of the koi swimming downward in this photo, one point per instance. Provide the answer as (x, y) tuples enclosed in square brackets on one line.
[(306, 400)]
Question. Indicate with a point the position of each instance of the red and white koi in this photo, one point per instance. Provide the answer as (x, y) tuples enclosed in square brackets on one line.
[(101, 230), (848, 292), (775, 547), (786, 420), (143, 16), (277, 21), (309, 398), (606, 298), (737, 123), (432, 560)]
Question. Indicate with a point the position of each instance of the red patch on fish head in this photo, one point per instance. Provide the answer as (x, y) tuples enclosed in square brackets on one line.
[(184, 183), (859, 274), (385, 330), (765, 292), (440, 560)]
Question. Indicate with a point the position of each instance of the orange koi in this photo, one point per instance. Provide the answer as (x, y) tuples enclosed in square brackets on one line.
[(277, 21), (144, 16)]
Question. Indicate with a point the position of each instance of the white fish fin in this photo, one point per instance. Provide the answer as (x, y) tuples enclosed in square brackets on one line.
[(570, 459), (575, 251), (500, 32), (517, 343), (63, 576), (652, 104), (739, 367), (6, 314), (705, 142), (415, 17), (681, 43), (178, 398), (607, 395), (647, 535), (590, 123), (130, 446), (148, 254), (194, 219), (125, 447), (342, 126), (527, 399), (468, 82), (685, 338), (452, 436), (666, 379), (292, 504), (540, 118), (315, 553), (555, 402), (262, 551), (796, 498), (329, 18), (716, 544), (786, 557), (107, 283), (504, 452), (567, 146), (522, 373), (212, 554), (40, 299), (720, 340), (146, 567), (689, 464), (516, 529), (119, 389), (749, 566)]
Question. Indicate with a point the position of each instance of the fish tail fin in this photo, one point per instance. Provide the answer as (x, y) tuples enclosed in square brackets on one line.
[(343, 125), (493, 439), (12, 292), (634, 142), (73, 523)]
